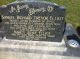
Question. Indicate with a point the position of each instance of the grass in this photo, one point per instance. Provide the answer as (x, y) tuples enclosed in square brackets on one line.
[(2, 2), (72, 9)]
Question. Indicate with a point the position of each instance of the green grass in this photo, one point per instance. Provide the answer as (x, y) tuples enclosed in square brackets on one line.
[(2, 2), (72, 9)]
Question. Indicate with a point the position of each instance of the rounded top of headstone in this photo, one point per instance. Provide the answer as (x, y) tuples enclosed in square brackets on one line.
[(29, 0)]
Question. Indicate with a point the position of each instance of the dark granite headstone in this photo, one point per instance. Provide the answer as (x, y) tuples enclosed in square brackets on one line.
[(33, 21)]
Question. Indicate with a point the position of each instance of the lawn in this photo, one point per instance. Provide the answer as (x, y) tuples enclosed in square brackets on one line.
[(72, 9)]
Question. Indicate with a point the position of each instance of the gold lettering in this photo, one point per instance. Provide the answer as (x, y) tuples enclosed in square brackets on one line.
[(50, 8), (24, 17), (12, 9), (18, 8), (7, 17)]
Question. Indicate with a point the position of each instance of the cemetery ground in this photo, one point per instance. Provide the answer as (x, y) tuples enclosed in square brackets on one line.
[(72, 16), (72, 9)]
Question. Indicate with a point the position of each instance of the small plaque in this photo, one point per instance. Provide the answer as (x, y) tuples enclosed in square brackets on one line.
[(33, 21)]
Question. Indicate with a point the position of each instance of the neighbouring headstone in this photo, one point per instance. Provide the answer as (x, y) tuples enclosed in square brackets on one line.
[(78, 30), (33, 21)]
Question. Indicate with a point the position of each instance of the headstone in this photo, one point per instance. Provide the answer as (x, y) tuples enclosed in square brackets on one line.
[(33, 21)]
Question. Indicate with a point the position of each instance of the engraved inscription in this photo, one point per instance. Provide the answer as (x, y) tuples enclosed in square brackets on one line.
[(33, 27), (32, 11), (18, 8)]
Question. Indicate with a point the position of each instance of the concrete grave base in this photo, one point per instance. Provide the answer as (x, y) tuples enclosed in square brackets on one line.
[(14, 49)]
